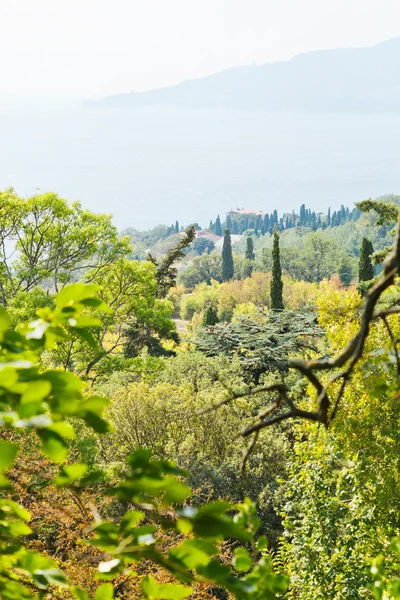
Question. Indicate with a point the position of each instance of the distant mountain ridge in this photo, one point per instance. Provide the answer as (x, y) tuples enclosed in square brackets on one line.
[(342, 80)]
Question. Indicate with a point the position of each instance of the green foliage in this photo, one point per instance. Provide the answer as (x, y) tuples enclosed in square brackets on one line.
[(345, 271), (166, 271), (365, 268), (382, 585), (263, 345), (388, 212), (134, 319), (205, 268), (276, 290), (167, 530), (163, 416), (249, 249), (42, 400), (210, 317), (202, 245), (156, 485), (54, 242), (218, 228), (227, 258)]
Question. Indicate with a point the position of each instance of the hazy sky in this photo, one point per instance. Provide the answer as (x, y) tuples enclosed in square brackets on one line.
[(87, 48)]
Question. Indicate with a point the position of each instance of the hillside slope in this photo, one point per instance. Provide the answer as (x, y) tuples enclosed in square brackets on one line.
[(350, 80)]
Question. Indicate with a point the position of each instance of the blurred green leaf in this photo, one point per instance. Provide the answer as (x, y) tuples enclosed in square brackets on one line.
[(8, 452), (242, 561), (166, 591), (104, 592), (70, 473)]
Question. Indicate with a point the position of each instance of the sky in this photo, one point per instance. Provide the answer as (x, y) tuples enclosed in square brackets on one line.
[(91, 48)]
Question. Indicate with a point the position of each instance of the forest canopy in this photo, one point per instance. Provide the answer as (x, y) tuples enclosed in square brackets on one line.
[(167, 430)]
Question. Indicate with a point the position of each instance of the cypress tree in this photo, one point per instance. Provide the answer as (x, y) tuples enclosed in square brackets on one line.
[(218, 228), (328, 220), (228, 222), (365, 266), (210, 317), (235, 229), (227, 257), (302, 214), (276, 288), (176, 227), (249, 249)]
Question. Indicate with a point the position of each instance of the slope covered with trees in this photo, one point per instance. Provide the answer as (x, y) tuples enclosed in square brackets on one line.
[(252, 453)]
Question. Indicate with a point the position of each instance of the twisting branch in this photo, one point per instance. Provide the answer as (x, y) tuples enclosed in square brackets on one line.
[(345, 362), (394, 342), (248, 392)]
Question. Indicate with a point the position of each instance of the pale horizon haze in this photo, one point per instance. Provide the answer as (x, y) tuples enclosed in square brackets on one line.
[(89, 48)]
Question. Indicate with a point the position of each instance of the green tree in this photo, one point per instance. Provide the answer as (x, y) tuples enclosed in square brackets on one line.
[(316, 260), (206, 267), (210, 317), (46, 241), (345, 271), (218, 227), (303, 215), (261, 346), (249, 249), (227, 257), (365, 266), (203, 245), (177, 227), (135, 319), (276, 289), (166, 271)]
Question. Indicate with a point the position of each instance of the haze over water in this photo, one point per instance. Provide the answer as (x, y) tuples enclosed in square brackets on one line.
[(149, 167)]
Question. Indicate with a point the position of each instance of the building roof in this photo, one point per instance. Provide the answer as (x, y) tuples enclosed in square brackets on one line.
[(246, 211), (208, 234)]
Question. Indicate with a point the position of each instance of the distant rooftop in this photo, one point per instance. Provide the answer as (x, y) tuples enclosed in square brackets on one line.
[(245, 211), (208, 234)]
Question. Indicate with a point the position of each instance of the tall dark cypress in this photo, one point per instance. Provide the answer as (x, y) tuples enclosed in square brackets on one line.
[(249, 249), (176, 227), (276, 289), (228, 222), (365, 266), (227, 257), (218, 228), (328, 220), (303, 215)]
